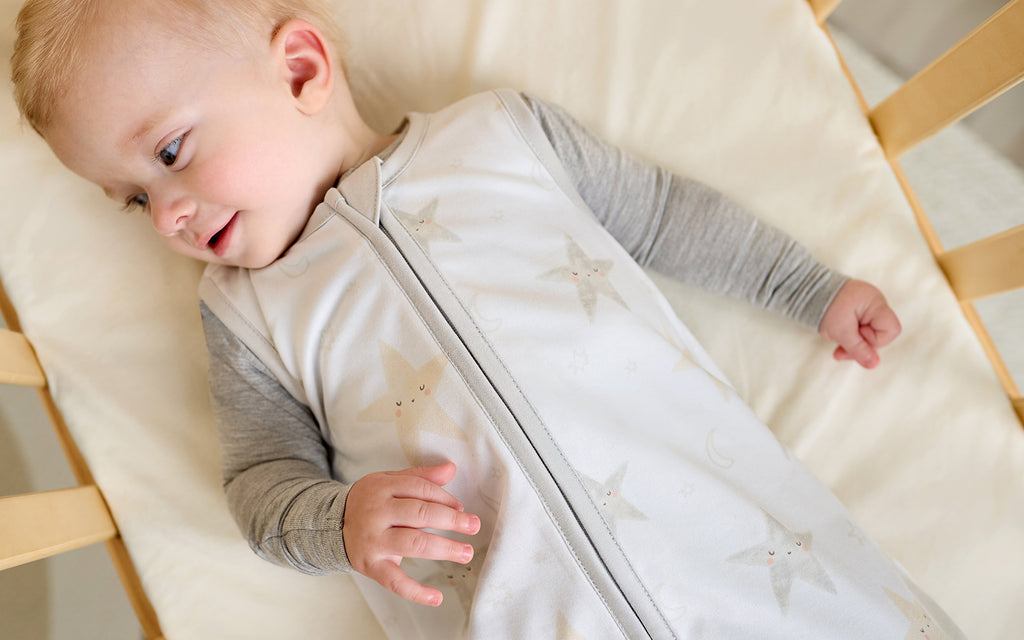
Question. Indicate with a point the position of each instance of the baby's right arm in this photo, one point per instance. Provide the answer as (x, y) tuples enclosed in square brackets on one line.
[(276, 466), (280, 490)]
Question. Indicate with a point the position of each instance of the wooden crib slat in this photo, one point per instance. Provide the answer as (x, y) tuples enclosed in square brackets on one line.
[(39, 525), (987, 267), (823, 8), (18, 364), (115, 544), (928, 232), (983, 65)]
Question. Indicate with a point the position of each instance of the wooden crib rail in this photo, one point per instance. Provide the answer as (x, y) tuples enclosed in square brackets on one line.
[(18, 364), (974, 71), (39, 525), (822, 8), (987, 267), (983, 65)]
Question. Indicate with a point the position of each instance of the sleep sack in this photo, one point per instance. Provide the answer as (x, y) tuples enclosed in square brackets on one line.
[(459, 301)]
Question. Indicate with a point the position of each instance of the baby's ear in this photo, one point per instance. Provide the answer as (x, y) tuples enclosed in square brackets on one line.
[(306, 64)]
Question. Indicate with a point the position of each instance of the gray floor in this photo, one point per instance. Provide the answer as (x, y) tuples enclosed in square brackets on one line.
[(78, 596)]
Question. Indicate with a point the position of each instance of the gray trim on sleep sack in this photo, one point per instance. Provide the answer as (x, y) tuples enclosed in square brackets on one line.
[(513, 418)]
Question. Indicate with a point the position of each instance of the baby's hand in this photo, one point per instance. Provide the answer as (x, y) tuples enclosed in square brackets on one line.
[(861, 321), (384, 515)]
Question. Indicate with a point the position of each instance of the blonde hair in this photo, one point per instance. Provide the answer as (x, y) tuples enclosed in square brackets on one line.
[(47, 52)]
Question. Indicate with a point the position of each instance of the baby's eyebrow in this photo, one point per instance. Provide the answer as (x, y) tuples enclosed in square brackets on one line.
[(110, 193), (141, 132), (146, 127)]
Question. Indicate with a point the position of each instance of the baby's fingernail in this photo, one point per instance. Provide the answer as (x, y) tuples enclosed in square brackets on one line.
[(467, 554), (473, 523)]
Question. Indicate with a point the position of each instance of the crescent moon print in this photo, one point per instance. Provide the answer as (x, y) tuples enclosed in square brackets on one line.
[(713, 454), (293, 267), (489, 325)]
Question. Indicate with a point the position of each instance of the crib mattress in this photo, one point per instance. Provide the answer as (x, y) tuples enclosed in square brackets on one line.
[(745, 96)]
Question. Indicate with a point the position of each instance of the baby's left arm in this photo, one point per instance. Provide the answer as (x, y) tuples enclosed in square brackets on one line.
[(861, 322)]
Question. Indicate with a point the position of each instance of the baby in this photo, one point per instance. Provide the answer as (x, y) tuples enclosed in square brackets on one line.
[(229, 124)]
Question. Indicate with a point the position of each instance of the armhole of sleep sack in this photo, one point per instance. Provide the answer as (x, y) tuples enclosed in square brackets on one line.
[(240, 324), (529, 128)]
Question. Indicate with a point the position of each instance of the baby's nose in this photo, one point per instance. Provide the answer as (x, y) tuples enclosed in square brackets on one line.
[(170, 217)]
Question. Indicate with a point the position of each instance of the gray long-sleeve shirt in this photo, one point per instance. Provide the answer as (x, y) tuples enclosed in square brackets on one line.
[(276, 465)]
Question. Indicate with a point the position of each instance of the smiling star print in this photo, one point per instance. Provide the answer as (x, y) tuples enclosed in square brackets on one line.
[(410, 402)]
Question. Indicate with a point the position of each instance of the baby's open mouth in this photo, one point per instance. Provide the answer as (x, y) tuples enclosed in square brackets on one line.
[(216, 238), (219, 241)]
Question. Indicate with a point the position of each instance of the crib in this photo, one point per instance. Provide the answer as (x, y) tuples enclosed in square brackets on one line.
[(749, 96)]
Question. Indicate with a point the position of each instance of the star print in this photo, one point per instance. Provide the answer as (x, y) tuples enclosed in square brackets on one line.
[(856, 534), (424, 227), (580, 360), (541, 557), (493, 500), (685, 355), (588, 275), (565, 630), (921, 625), (686, 361), (410, 402), (787, 555), (501, 595), (608, 496)]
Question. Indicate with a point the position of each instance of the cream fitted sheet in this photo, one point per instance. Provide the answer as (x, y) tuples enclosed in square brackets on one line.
[(745, 95)]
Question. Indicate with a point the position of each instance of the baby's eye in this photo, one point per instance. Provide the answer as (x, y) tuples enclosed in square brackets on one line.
[(169, 154), (137, 201)]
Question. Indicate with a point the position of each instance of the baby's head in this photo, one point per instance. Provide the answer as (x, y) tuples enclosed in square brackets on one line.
[(226, 121)]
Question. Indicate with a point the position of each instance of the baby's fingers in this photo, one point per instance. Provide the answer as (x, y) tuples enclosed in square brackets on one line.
[(392, 577), (854, 345), (420, 514), (413, 543), (882, 326)]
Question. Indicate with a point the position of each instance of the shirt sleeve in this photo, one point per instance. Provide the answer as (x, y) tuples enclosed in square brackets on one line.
[(276, 465), (687, 230)]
